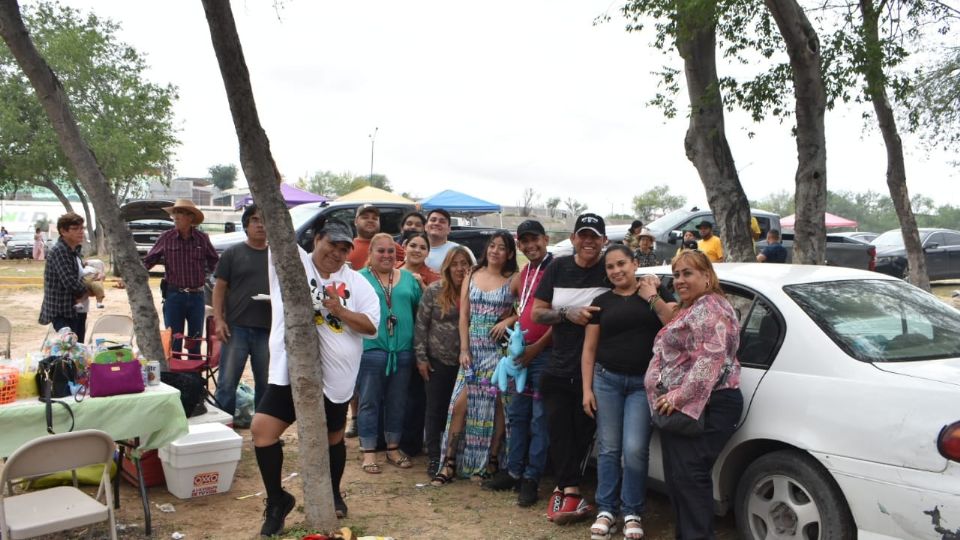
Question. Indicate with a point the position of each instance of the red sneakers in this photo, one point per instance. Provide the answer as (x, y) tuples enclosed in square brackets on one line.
[(554, 503), (572, 509)]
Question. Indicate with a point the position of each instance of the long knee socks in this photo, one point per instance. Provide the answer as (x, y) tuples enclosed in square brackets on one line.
[(338, 461), (270, 462)]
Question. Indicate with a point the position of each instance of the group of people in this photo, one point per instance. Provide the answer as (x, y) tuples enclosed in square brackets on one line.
[(412, 329), (416, 342), (641, 241)]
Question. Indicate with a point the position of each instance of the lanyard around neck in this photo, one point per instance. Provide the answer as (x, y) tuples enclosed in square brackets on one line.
[(529, 280), (388, 290)]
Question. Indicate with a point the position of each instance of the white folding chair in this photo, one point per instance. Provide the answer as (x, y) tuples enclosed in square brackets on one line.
[(115, 327), (59, 508), (5, 328)]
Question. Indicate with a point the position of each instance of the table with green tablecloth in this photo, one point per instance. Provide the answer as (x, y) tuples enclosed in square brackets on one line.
[(151, 419), (154, 415)]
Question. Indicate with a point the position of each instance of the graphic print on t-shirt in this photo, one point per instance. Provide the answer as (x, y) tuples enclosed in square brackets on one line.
[(319, 291)]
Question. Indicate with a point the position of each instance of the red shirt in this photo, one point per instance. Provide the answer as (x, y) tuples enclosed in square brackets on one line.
[(527, 288), (186, 261)]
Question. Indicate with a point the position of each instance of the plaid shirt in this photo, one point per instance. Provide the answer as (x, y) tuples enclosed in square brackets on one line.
[(62, 282), (186, 261), (646, 259)]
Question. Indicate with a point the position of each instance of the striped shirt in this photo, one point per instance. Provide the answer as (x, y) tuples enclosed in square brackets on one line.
[(568, 285), (62, 282), (186, 261)]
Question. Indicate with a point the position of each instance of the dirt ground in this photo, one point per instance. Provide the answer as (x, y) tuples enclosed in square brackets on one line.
[(396, 503)]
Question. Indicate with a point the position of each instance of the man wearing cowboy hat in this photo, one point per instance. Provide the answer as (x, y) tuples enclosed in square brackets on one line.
[(187, 256), (645, 254)]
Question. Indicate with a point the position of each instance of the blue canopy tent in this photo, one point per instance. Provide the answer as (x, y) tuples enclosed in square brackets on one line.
[(460, 204), (292, 195)]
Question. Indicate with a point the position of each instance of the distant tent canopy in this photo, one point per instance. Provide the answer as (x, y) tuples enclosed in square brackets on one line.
[(832, 221), (374, 195), (459, 203), (293, 196)]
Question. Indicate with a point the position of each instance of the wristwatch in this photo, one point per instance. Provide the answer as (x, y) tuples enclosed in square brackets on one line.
[(563, 313)]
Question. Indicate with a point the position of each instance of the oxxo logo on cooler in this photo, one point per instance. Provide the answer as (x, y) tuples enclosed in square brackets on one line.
[(205, 483)]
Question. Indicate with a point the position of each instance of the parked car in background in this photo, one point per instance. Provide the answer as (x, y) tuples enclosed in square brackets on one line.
[(850, 428), (615, 235), (668, 230), (147, 220), (841, 251), (941, 247), (20, 246), (863, 236)]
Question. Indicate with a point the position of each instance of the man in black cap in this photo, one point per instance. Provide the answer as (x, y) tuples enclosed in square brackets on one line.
[(563, 300), (346, 310), (709, 244), (527, 439)]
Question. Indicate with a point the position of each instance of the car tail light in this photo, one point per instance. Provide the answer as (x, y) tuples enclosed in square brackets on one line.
[(948, 442), (872, 253)]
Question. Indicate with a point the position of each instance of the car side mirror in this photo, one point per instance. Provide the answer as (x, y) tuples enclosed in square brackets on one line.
[(674, 236), (931, 245)]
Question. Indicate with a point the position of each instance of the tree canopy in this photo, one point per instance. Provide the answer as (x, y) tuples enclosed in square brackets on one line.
[(126, 119), (223, 176), (331, 183), (656, 202)]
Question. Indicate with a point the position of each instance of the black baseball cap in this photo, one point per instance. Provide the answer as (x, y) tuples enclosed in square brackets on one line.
[(337, 231), (367, 207), (704, 223), (530, 226), (591, 222)]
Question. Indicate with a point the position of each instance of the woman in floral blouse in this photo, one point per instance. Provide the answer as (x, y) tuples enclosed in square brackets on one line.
[(694, 371)]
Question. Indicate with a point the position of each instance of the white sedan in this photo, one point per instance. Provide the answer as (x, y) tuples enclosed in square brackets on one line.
[(851, 422)]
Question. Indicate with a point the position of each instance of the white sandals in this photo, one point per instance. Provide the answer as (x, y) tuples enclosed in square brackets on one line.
[(604, 526), (632, 527)]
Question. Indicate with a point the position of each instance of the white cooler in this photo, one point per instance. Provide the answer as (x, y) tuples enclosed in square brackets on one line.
[(202, 462)]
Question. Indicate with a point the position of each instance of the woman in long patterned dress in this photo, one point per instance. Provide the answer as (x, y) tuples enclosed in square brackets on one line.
[(475, 419)]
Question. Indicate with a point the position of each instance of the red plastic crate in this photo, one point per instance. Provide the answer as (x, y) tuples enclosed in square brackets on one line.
[(152, 469)]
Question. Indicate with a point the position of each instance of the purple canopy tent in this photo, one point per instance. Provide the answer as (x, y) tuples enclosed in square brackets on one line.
[(292, 195)]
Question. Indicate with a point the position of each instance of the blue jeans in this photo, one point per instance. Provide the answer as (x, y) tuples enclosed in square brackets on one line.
[(179, 307), (528, 425), (623, 431), (244, 341), (375, 388)]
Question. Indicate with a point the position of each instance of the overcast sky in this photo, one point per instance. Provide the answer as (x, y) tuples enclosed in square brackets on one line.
[(487, 98)]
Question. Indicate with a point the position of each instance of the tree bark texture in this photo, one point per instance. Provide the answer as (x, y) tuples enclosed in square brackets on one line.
[(56, 104), (896, 168), (803, 47), (302, 342), (706, 142)]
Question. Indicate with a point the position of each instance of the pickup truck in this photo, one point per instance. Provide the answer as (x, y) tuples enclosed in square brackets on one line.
[(841, 250), (306, 216)]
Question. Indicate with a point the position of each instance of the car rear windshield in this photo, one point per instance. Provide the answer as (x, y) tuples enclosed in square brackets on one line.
[(880, 320)]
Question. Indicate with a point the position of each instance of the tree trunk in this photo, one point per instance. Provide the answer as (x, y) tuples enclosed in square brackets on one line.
[(51, 95), (93, 231), (706, 142), (57, 192), (803, 47), (896, 169), (302, 342)]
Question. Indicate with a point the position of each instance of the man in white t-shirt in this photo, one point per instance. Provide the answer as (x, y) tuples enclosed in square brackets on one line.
[(346, 309), (438, 228)]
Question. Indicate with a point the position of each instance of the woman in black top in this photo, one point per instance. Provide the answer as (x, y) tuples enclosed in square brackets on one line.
[(617, 348)]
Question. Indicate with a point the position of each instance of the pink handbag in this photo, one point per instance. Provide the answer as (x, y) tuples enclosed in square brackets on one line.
[(115, 379)]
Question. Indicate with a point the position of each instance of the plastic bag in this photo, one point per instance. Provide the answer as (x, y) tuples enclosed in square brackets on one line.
[(243, 414)]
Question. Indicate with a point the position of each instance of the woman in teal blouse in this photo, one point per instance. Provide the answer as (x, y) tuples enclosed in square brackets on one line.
[(387, 361)]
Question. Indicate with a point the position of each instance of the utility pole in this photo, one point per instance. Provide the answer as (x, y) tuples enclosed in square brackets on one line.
[(373, 141)]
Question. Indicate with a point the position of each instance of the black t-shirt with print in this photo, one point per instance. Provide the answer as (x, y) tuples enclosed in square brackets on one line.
[(627, 329)]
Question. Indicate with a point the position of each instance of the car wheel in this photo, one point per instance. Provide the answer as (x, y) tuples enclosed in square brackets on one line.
[(787, 494)]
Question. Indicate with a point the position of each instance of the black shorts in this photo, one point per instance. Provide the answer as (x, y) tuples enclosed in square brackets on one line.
[(277, 402)]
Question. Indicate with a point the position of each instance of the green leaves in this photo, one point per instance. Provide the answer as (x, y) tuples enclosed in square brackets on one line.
[(656, 202), (126, 119)]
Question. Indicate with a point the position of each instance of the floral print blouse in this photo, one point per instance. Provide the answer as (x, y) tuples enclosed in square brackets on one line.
[(690, 352)]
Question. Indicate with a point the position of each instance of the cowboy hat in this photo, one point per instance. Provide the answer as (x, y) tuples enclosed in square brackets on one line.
[(646, 232), (186, 204)]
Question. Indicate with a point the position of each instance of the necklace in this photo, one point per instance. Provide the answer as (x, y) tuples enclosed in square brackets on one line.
[(528, 281)]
